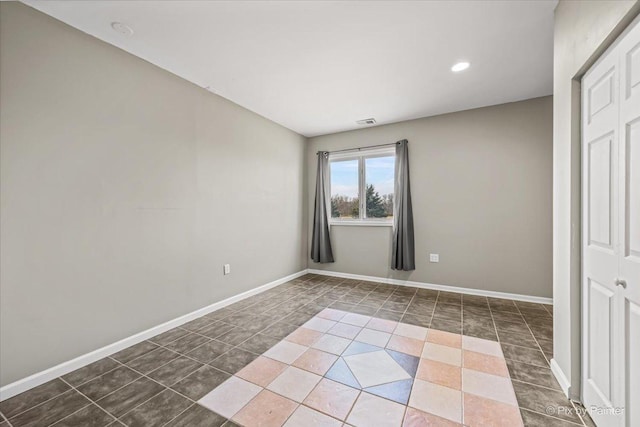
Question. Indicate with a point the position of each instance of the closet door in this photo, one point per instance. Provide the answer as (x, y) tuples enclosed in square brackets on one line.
[(600, 144), (611, 234), (629, 220)]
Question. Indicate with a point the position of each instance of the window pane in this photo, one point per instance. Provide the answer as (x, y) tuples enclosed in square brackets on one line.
[(344, 189), (379, 178)]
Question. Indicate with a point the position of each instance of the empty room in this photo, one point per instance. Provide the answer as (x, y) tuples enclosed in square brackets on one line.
[(320, 213)]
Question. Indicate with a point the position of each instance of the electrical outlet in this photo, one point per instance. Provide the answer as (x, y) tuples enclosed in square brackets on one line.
[(434, 258), (227, 269)]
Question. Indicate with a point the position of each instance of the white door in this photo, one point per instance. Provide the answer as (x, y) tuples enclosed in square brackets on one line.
[(611, 234)]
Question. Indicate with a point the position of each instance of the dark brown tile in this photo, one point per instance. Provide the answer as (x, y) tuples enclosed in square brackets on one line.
[(364, 310), (99, 387), (123, 400), (175, 370), (507, 317), (135, 351), (482, 322), (200, 382), (547, 347), (89, 416), (446, 325), (259, 343), (532, 374), (220, 314), (216, 329), (298, 318), (188, 343), (518, 328), (157, 411), (395, 306), (233, 360), (51, 411), (169, 336), (413, 319), (33, 397), (153, 360), (531, 356), (534, 419), (197, 416), (421, 308), (279, 330), (479, 332), (197, 324), (89, 372), (450, 298), (388, 315), (236, 336), (540, 399), (209, 351), (523, 340), (543, 332)]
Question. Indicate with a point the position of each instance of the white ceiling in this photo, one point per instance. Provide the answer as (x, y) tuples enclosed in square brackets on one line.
[(317, 67)]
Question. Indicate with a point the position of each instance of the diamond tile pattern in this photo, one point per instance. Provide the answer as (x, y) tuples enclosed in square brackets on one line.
[(321, 351)]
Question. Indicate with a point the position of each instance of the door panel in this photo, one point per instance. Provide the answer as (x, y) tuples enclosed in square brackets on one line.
[(600, 319), (599, 181), (632, 386)]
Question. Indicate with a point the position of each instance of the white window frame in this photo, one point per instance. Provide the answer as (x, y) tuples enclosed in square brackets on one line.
[(361, 155)]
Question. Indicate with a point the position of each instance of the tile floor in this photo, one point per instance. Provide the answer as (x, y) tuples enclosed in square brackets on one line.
[(322, 351)]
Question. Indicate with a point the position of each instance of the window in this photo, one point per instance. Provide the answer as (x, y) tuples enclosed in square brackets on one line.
[(362, 186)]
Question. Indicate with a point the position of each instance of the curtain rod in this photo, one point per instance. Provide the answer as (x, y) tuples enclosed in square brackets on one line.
[(360, 148)]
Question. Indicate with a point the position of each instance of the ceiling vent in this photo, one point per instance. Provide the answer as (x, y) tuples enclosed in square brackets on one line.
[(366, 122)]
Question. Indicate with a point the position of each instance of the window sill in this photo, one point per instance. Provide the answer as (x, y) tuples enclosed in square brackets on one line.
[(363, 223)]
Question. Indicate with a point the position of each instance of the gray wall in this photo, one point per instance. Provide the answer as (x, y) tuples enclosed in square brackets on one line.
[(582, 31), (123, 191), (481, 189)]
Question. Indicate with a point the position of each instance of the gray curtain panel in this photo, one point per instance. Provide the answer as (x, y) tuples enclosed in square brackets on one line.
[(321, 241), (403, 250)]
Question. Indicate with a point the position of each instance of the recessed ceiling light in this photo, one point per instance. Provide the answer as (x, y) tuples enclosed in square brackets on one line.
[(460, 66), (121, 28)]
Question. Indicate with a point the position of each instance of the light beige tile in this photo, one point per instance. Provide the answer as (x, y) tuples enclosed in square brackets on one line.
[(267, 409), (406, 345), (345, 331), (332, 314), (484, 363), (372, 410), (331, 344), (442, 353), (304, 336), (285, 351), (332, 398), (489, 386), (416, 418), (230, 396), (382, 325), (315, 361), (319, 324), (294, 383), (303, 417), (369, 336), (436, 399), (440, 373), (479, 411), (444, 338), (480, 345), (355, 319), (262, 371), (411, 331)]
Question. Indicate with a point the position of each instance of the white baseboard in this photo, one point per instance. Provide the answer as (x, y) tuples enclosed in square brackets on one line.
[(447, 288), (561, 377), (64, 368)]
